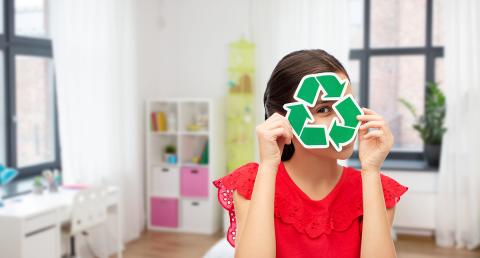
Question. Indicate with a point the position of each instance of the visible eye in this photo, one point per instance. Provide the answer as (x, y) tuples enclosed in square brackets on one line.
[(324, 110)]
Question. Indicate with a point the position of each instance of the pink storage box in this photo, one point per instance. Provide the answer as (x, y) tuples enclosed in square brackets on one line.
[(164, 212), (194, 181)]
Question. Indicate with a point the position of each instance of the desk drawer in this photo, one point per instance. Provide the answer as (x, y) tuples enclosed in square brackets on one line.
[(40, 221), (44, 243)]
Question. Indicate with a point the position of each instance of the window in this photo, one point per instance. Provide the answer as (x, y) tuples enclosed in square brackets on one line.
[(31, 18), (396, 49), (28, 127)]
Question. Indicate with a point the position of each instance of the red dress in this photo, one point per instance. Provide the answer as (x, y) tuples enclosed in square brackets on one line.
[(331, 227)]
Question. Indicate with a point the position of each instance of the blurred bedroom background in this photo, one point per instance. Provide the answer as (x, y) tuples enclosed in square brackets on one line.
[(124, 111)]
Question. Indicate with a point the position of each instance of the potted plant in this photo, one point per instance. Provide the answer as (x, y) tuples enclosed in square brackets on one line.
[(37, 185), (430, 125), (170, 154)]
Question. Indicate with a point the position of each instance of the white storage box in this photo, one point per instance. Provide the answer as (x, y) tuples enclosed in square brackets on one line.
[(166, 181)]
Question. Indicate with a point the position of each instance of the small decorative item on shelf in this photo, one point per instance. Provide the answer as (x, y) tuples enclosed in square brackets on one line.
[(170, 154), (171, 122), (196, 159), (57, 178), (200, 123), (49, 178), (6, 176), (37, 187), (203, 157)]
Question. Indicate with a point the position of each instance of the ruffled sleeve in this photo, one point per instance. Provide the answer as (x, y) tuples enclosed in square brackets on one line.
[(242, 180), (392, 191)]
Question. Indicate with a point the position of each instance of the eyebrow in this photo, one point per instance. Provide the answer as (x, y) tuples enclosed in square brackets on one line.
[(321, 102)]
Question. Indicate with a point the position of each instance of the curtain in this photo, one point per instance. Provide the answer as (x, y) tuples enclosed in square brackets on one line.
[(458, 203), (279, 27), (99, 105)]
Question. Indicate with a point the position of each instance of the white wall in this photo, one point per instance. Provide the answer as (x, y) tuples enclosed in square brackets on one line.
[(421, 198), (182, 45)]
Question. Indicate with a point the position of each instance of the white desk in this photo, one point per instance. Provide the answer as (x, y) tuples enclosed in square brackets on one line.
[(30, 225)]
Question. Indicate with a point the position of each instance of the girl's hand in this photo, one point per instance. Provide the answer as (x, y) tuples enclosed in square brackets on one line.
[(374, 145), (272, 135)]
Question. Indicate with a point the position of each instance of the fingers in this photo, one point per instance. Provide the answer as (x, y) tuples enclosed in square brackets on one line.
[(361, 133), (277, 123), (279, 126), (374, 134), (372, 120), (282, 132), (275, 116), (379, 124), (369, 117), (369, 111)]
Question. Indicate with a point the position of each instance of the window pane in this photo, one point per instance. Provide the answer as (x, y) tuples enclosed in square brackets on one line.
[(3, 126), (31, 18), (35, 110), (397, 77), (397, 23), (356, 23), (437, 35), (1, 16)]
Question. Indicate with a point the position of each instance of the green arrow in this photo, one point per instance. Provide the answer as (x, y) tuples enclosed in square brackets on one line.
[(332, 86), (347, 109), (340, 135), (297, 115), (343, 128), (314, 136), (308, 90)]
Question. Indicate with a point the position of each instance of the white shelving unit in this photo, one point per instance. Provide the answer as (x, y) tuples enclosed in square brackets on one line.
[(181, 196)]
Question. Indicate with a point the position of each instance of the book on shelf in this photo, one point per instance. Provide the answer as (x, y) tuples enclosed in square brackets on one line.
[(204, 157), (158, 122), (153, 121)]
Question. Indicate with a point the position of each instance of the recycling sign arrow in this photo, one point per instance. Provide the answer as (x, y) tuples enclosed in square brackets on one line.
[(342, 129)]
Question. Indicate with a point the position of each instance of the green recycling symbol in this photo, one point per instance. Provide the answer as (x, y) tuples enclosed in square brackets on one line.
[(342, 129)]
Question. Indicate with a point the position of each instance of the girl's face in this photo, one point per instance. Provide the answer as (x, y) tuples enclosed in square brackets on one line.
[(323, 114)]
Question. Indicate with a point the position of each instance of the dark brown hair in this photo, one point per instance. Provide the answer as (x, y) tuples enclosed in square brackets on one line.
[(285, 78)]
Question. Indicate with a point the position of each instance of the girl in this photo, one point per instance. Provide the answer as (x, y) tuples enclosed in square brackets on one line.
[(298, 202)]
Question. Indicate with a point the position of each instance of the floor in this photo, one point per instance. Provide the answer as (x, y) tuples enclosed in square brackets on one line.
[(424, 247), (174, 245), (170, 245)]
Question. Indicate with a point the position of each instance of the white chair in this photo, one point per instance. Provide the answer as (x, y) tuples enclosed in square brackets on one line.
[(89, 210)]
